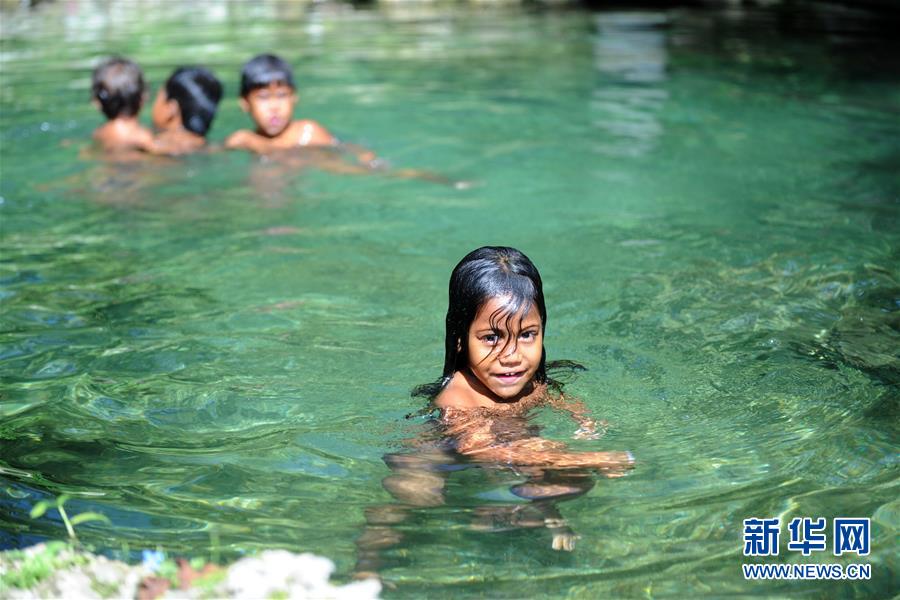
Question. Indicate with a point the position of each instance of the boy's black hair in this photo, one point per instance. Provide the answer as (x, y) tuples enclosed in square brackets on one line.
[(264, 69), (118, 85), (485, 273), (197, 92)]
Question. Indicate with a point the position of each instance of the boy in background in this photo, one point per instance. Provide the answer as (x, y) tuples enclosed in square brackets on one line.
[(268, 95), (117, 89), (184, 110)]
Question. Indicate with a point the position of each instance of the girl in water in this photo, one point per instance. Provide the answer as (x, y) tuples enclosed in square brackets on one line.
[(495, 367), (495, 373)]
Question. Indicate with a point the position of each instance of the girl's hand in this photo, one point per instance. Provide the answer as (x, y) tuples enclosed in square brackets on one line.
[(586, 433), (563, 537), (590, 430), (564, 541)]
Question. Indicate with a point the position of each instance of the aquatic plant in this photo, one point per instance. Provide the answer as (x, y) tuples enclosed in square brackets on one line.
[(41, 507)]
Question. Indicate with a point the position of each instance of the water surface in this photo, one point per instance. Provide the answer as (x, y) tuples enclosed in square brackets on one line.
[(216, 353)]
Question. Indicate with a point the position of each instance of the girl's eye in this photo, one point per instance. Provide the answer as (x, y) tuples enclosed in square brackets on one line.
[(527, 335), (491, 339)]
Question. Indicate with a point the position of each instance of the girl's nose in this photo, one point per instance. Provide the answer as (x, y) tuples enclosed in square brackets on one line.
[(511, 352)]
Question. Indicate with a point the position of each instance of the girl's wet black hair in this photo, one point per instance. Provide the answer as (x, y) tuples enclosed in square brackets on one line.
[(197, 92), (118, 85), (264, 69), (485, 273)]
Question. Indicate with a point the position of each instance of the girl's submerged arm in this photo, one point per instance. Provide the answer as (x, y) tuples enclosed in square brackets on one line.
[(589, 428), (473, 431)]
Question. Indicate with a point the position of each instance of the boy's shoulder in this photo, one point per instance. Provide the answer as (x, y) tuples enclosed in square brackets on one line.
[(175, 143), (238, 135), (303, 132), (306, 132), (244, 139), (114, 135)]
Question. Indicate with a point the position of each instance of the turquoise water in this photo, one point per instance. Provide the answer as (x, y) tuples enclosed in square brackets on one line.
[(216, 352)]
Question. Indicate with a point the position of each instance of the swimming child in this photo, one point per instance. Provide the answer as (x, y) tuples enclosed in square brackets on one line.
[(117, 89), (495, 366), (268, 95), (495, 374), (184, 110)]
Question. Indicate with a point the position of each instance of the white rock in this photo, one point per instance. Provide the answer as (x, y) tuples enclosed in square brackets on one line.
[(299, 576)]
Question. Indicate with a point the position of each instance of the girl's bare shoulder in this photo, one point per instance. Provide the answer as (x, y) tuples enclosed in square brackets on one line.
[(457, 395), (460, 400)]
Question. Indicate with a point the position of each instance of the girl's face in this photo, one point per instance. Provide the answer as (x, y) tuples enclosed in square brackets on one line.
[(505, 360)]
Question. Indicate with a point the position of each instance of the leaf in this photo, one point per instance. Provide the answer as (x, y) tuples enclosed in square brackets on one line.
[(62, 499), (39, 509), (89, 516)]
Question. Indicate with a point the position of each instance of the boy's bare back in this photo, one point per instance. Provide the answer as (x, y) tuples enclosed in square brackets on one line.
[(122, 135), (118, 91)]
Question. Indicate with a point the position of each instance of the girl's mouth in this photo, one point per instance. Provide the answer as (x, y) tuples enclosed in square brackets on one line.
[(509, 378)]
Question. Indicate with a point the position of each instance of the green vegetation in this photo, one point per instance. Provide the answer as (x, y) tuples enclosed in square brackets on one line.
[(31, 569), (168, 569), (209, 583), (24, 569), (105, 589), (41, 507)]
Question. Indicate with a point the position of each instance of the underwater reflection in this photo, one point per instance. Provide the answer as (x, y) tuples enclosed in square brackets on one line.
[(419, 480), (631, 59), (126, 179), (272, 174)]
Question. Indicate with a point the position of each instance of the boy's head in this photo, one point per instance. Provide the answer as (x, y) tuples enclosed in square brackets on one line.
[(268, 93), (190, 96), (263, 70), (117, 86)]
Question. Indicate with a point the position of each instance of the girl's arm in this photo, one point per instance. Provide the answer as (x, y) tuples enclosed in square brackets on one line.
[(589, 428), (475, 438), (538, 452)]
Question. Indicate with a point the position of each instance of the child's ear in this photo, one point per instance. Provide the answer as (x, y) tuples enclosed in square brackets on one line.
[(245, 106), (174, 110)]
